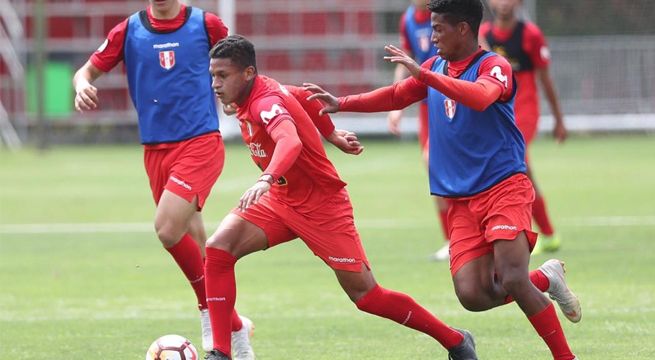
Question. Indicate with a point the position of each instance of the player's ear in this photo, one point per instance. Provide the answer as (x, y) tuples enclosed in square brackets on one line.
[(250, 73)]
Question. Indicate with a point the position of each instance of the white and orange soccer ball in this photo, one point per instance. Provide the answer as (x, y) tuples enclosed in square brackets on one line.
[(172, 347)]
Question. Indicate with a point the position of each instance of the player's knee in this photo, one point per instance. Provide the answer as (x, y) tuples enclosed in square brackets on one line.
[(513, 281), (472, 298), (167, 234)]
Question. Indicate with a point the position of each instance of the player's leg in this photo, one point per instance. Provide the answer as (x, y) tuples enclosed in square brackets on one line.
[(234, 238), (339, 245), (527, 124), (239, 234), (511, 260), (372, 298), (548, 241)]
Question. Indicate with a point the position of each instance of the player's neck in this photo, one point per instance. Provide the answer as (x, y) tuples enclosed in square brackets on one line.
[(505, 23), (466, 52), (246, 93), (167, 13)]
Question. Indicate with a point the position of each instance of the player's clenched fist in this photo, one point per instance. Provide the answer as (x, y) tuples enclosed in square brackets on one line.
[(86, 97)]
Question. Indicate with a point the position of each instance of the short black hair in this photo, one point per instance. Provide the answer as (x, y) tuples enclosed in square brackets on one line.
[(236, 48), (456, 11)]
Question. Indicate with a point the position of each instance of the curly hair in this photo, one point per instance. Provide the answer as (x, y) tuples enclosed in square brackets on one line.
[(456, 11)]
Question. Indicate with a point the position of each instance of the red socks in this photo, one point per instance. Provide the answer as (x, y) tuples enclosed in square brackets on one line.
[(188, 257), (221, 295), (549, 328), (405, 311), (540, 216), (538, 279)]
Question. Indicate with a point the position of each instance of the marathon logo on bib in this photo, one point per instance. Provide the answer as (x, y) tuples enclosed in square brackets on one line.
[(167, 59), (450, 106)]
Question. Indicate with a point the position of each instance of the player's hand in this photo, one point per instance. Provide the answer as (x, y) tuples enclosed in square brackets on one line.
[(330, 102), (559, 132), (398, 56), (393, 121), (346, 141), (252, 195), (86, 97)]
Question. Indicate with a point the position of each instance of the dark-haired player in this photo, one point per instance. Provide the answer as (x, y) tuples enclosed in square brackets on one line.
[(477, 160), (298, 195)]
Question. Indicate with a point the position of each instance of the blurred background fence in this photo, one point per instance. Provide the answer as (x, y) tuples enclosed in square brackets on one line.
[(603, 60)]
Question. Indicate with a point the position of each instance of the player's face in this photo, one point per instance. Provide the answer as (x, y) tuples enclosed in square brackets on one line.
[(448, 38), (504, 9), (162, 6), (231, 82)]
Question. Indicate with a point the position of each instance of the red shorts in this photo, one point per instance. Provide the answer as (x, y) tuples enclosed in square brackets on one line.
[(500, 213), (188, 169), (328, 230), (423, 126)]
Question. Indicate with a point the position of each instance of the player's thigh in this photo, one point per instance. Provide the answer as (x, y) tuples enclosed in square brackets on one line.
[(329, 232), (238, 236), (512, 255), (467, 240)]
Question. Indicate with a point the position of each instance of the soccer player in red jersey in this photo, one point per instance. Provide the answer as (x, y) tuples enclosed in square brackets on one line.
[(299, 194), (477, 160), (415, 33), (524, 46), (164, 49)]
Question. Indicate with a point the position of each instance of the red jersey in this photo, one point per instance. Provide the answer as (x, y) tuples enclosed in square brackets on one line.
[(312, 175), (110, 53), (525, 48)]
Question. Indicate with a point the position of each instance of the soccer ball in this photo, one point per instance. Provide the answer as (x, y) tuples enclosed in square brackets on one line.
[(172, 347)]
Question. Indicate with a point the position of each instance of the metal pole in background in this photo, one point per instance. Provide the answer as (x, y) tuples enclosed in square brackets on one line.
[(39, 72), (227, 10)]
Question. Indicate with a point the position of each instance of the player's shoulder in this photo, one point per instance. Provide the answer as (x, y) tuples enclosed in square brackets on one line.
[(494, 59), (531, 30)]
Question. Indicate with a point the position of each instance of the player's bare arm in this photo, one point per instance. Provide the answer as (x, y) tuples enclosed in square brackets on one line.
[(86, 95), (559, 129), (395, 117)]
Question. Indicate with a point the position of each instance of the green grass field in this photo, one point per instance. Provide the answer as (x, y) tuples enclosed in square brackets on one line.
[(83, 276)]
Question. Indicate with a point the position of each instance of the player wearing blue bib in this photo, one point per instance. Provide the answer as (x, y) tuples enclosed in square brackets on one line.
[(164, 49), (476, 159)]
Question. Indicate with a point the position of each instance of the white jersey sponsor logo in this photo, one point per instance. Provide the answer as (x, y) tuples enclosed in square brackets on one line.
[(267, 116), (256, 150), (166, 45), (181, 183), (341, 260), (504, 227)]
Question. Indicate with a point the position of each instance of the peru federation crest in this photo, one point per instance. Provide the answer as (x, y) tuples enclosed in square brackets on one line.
[(450, 106), (167, 59)]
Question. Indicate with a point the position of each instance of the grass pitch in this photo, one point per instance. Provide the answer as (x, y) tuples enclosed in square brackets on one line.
[(83, 276)]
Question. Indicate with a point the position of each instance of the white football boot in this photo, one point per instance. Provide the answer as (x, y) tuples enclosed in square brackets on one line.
[(241, 347), (442, 254), (559, 291)]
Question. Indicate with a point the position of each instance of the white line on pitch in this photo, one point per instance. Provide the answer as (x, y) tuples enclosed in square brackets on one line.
[(142, 227)]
